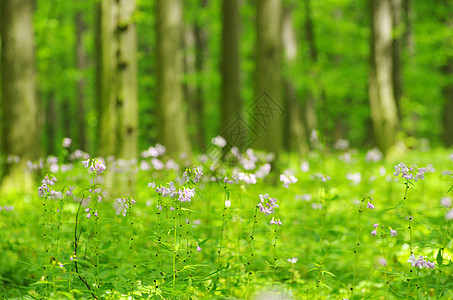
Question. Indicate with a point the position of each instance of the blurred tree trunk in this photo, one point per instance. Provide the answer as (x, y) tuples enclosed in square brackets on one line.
[(295, 134), (230, 102), (201, 36), (81, 63), (118, 75), (108, 77), (171, 115), (20, 136), (267, 108), (447, 90), (67, 117), (311, 121), (126, 94), (51, 123), (408, 21), (397, 75), (384, 114)]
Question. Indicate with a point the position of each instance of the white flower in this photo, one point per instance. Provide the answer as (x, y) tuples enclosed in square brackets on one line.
[(227, 203), (219, 141)]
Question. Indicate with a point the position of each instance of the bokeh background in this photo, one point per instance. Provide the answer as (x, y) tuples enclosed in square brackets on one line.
[(119, 76)]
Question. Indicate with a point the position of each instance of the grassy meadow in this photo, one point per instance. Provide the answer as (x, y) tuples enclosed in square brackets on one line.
[(337, 224)]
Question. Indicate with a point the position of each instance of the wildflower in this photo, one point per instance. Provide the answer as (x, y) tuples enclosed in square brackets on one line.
[(219, 141), (67, 142), (445, 202), (157, 164), (86, 163), (273, 221), (354, 177), (292, 260), (393, 232), (60, 264), (449, 215), (227, 203), (370, 205), (152, 185), (374, 232), (375, 225), (420, 262), (267, 207), (185, 195), (304, 166), (198, 248), (69, 191), (96, 213), (89, 215), (287, 179), (382, 261), (373, 155)]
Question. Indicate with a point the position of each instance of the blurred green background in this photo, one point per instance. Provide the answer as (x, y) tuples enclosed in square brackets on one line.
[(118, 76)]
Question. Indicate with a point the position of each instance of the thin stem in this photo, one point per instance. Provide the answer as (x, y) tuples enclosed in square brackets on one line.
[(252, 243), (174, 246), (444, 245), (356, 248), (275, 254)]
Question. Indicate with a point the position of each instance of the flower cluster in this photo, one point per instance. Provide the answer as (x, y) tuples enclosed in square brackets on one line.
[(192, 174), (219, 141), (267, 205), (287, 179), (44, 189), (421, 262), (185, 195), (94, 166), (122, 205), (88, 211), (374, 232), (409, 173), (67, 142), (276, 221), (155, 151), (247, 178)]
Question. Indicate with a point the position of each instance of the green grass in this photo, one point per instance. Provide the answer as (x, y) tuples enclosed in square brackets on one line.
[(152, 254)]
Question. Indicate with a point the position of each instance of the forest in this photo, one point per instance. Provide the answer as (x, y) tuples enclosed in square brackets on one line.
[(145, 144)]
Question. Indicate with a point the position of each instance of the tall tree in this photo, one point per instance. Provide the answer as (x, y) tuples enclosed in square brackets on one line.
[(171, 115), (82, 64), (195, 48), (384, 114), (107, 75), (230, 101), (126, 94), (118, 76), (398, 30), (311, 121), (20, 136), (267, 107), (295, 133)]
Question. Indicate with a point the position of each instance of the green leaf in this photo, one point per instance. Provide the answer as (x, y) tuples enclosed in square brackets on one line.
[(439, 257), (106, 245)]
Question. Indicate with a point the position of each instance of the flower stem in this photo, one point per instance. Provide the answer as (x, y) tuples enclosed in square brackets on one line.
[(275, 254), (356, 248), (252, 243)]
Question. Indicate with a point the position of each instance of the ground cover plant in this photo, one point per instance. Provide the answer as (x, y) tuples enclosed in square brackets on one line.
[(337, 224)]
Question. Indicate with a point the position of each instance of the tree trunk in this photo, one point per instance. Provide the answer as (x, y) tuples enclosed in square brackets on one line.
[(81, 63), (409, 33), (230, 101), (119, 108), (383, 108), (311, 120), (171, 115), (126, 94), (20, 136), (201, 36), (267, 108), (396, 53), (295, 134), (51, 123), (108, 78), (447, 134)]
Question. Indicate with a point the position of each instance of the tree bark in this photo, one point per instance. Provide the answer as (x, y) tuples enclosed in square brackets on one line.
[(108, 78), (268, 105), (295, 133), (311, 120), (383, 108), (81, 63), (171, 115), (230, 102), (396, 53), (20, 135), (126, 94), (118, 70)]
